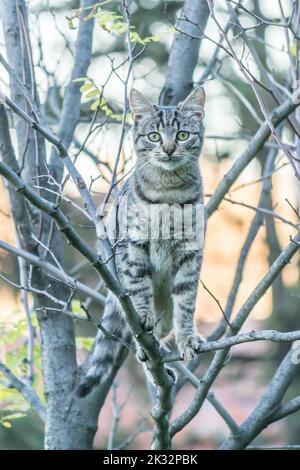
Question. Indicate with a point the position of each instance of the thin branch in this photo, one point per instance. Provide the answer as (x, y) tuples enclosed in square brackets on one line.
[(116, 410), (27, 309), (217, 302), (77, 178), (35, 260), (148, 343), (248, 77), (252, 336), (220, 356), (255, 145), (27, 392), (259, 418), (262, 210), (211, 397)]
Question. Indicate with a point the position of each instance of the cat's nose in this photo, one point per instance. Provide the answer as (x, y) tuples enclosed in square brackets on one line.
[(169, 147)]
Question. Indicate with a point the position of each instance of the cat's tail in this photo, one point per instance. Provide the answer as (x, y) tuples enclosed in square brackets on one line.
[(106, 350)]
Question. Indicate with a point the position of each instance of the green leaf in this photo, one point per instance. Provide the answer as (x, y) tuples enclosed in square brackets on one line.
[(95, 105), (92, 93), (34, 320), (6, 424), (15, 416), (81, 79), (70, 22), (149, 39), (87, 86), (293, 48), (76, 308), (84, 342), (119, 27)]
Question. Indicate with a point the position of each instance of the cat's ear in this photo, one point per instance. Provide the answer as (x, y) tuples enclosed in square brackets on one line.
[(139, 105), (194, 103)]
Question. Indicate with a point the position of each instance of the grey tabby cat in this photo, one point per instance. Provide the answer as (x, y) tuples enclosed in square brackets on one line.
[(160, 274)]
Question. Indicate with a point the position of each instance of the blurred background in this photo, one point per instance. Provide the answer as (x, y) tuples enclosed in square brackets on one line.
[(229, 126)]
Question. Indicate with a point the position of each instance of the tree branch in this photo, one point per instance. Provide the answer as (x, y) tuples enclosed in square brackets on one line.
[(27, 392), (71, 104), (259, 418), (184, 52), (220, 356), (57, 273), (148, 343), (257, 142), (252, 336)]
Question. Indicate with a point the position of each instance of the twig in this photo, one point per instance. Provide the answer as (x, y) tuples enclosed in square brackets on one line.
[(148, 343), (221, 355), (74, 284), (259, 418), (116, 409), (256, 143), (262, 210), (217, 301), (27, 392), (263, 335)]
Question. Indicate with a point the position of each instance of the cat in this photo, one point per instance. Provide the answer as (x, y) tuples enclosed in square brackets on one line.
[(160, 273)]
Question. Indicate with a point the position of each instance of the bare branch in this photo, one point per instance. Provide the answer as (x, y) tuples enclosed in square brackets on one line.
[(256, 144), (71, 105), (36, 261), (148, 342), (220, 357), (264, 335), (258, 419), (27, 392), (184, 52)]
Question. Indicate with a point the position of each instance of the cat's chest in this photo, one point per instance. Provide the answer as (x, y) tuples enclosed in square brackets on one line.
[(162, 254)]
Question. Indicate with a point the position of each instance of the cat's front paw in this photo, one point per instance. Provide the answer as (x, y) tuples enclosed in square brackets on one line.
[(147, 322), (190, 346)]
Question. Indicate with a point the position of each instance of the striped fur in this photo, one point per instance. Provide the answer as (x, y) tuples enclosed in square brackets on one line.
[(105, 349), (160, 274)]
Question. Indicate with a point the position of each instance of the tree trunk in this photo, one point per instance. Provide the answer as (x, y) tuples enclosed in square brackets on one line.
[(184, 52)]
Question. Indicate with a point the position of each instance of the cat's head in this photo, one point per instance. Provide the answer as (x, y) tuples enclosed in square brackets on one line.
[(168, 136)]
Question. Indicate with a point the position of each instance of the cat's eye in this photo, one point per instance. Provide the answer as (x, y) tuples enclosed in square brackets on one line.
[(182, 135), (154, 136)]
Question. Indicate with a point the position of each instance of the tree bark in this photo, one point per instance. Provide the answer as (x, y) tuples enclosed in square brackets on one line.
[(184, 52), (70, 424)]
